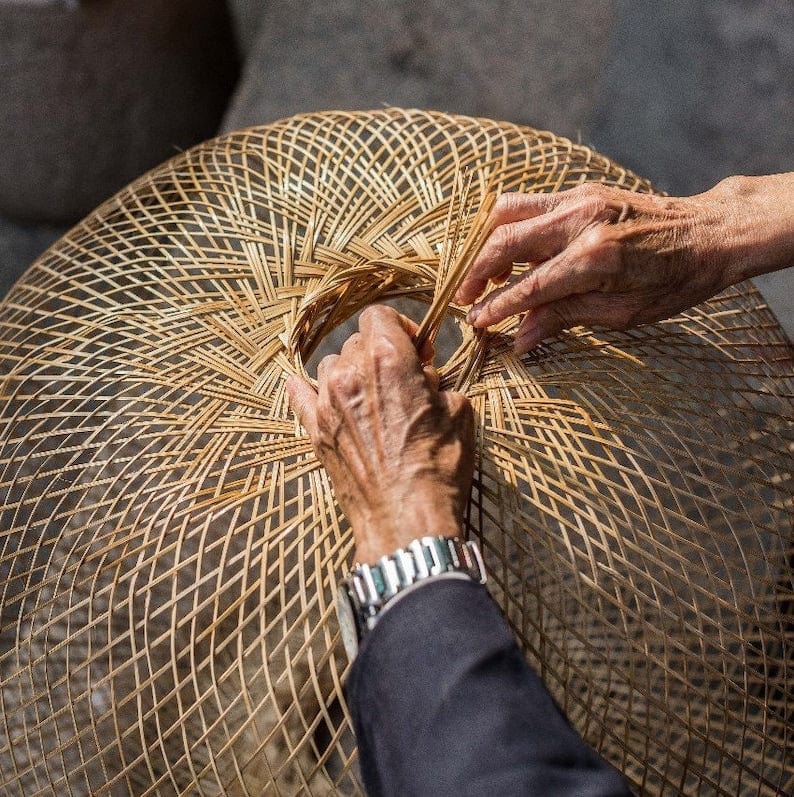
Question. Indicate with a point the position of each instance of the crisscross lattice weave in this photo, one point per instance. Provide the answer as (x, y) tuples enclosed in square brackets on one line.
[(169, 547)]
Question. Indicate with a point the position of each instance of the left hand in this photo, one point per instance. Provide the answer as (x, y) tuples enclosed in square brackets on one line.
[(604, 256), (399, 451)]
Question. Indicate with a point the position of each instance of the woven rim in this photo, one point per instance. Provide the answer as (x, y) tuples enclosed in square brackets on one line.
[(169, 546)]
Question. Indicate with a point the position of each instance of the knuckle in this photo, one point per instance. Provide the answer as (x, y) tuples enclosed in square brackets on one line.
[(595, 208), (369, 315), (595, 239), (528, 286), (352, 344), (326, 364), (368, 311), (504, 242), (342, 381), (385, 353), (586, 191), (591, 196), (601, 243), (375, 313)]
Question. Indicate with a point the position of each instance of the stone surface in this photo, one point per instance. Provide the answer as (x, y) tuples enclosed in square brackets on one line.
[(694, 92), (97, 93), (20, 245), (524, 60)]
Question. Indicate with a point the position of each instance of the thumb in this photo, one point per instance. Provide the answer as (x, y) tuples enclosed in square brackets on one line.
[(303, 400)]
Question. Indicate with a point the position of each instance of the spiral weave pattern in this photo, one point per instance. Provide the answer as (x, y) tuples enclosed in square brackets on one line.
[(169, 545)]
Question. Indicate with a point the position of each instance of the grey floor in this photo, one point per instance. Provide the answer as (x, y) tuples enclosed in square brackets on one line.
[(693, 92)]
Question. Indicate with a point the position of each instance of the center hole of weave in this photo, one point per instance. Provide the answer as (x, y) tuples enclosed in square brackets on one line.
[(447, 341)]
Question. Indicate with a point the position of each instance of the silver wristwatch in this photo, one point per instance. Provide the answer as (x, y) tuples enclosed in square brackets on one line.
[(362, 596)]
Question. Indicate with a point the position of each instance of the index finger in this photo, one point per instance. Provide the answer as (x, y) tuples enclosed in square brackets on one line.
[(512, 226), (516, 206)]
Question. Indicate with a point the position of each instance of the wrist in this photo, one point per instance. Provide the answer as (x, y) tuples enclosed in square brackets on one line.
[(757, 233), (381, 537), (382, 532)]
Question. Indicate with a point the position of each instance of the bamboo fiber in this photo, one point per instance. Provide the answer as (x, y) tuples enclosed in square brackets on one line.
[(169, 545)]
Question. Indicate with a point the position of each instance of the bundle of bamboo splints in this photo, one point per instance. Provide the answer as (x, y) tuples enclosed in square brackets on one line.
[(169, 545), (465, 229)]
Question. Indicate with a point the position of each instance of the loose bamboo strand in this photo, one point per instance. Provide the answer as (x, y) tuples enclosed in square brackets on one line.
[(461, 256)]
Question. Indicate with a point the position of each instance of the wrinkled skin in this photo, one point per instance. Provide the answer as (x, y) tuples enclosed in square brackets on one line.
[(399, 452), (603, 256)]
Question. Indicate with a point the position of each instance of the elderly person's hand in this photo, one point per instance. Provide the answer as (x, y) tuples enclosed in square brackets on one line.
[(399, 451), (603, 256)]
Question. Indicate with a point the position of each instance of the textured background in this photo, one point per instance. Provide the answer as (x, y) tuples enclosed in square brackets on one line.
[(684, 93)]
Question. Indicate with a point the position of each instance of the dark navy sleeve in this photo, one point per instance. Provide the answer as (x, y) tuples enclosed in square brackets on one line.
[(443, 703)]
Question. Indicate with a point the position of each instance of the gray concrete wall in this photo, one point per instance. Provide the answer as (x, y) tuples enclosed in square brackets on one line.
[(696, 91)]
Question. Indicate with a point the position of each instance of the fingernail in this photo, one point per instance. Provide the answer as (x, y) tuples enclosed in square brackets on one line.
[(471, 316)]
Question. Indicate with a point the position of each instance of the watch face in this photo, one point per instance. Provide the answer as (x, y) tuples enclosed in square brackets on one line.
[(347, 621)]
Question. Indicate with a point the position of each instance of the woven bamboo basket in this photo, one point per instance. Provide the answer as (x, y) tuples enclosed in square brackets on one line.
[(169, 545)]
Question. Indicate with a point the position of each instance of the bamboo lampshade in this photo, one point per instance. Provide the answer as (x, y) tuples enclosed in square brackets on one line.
[(169, 545)]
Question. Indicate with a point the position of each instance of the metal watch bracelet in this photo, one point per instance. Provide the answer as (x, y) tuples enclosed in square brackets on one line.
[(372, 586)]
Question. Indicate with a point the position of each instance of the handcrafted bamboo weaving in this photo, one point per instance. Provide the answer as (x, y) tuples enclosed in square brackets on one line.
[(169, 546)]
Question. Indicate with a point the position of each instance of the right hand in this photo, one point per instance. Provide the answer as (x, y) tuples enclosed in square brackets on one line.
[(605, 256), (399, 451)]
